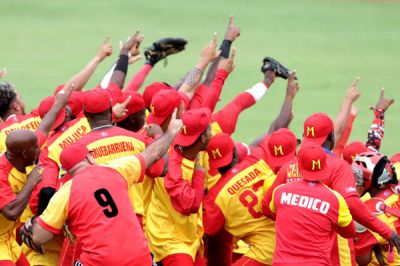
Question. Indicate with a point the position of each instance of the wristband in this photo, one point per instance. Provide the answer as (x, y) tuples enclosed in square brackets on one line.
[(225, 48), (122, 63)]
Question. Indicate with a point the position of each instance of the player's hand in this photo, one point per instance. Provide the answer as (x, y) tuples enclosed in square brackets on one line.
[(353, 93), (209, 52), (26, 236), (35, 176), (228, 63), (119, 109), (105, 50), (394, 241), (269, 77), (62, 96), (175, 124), (131, 43), (383, 103), (152, 130), (232, 32), (292, 86), (3, 73)]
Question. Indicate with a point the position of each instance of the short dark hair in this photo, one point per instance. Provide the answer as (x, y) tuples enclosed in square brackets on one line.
[(7, 95)]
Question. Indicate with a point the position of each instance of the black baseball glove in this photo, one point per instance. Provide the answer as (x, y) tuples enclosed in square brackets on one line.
[(271, 64)]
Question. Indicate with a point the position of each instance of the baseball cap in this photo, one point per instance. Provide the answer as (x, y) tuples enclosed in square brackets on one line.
[(162, 106), (135, 104), (317, 127), (351, 150), (96, 101), (280, 147), (73, 155), (195, 122), (395, 158), (45, 106), (151, 90), (220, 150), (312, 160)]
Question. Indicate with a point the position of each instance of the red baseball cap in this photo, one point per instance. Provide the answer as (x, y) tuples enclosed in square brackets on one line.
[(162, 106), (195, 122), (96, 101), (351, 150), (317, 127), (45, 106), (312, 160), (135, 104), (280, 147), (151, 90), (220, 150), (73, 155), (395, 158)]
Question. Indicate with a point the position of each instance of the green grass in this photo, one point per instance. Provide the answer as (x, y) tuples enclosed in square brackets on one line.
[(329, 43)]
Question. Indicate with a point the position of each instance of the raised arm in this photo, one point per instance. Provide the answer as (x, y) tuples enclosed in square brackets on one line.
[(60, 102), (194, 76), (3, 73), (377, 130), (121, 68), (344, 113), (231, 33), (159, 147)]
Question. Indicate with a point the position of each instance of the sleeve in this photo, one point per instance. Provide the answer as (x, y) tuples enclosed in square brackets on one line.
[(267, 199), (186, 197), (213, 218), (344, 216), (343, 179), (6, 193), (138, 79), (364, 216), (345, 137), (115, 92), (376, 132), (364, 243), (131, 168), (49, 179), (228, 116), (198, 96), (271, 211), (56, 212), (215, 89)]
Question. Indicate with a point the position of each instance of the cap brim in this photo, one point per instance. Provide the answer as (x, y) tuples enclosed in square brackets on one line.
[(274, 161), (317, 141), (221, 162), (316, 175), (184, 140), (151, 119), (59, 120)]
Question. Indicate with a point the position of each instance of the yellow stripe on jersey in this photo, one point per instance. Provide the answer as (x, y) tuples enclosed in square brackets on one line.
[(344, 216), (69, 136), (129, 168), (56, 212), (30, 124)]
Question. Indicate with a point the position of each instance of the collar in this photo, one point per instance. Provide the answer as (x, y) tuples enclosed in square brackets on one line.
[(11, 117), (328, 152), (101, 127)]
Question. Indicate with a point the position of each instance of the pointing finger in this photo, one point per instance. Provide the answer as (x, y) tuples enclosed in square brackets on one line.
[(107, 39)]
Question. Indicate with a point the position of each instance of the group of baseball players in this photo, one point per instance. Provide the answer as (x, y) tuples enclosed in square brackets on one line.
[(111, 176)]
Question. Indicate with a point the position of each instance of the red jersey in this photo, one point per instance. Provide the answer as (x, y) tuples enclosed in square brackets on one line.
[(96, 207), (307, 214)]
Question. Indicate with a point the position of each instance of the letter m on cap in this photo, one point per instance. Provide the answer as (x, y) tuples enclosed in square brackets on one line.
[(278, 149), (315, 164), (183, 130), (215, 153), (310, 131), (152, 109)]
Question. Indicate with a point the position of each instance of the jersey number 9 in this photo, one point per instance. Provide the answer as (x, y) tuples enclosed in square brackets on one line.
[(104, 199)]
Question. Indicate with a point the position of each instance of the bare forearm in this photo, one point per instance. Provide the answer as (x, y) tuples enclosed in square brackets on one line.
[(192, 79), (80, 79), (212, 70), (15, 208), (158, 148), (341, 119), (119, 74), (284, 117), (49, 118)]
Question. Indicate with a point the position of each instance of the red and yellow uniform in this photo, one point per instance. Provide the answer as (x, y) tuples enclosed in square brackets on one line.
[(29, 121), (343, 252), (169, 231), (306, 213), (233, 203), (11, 183), (366, 240), (96, 207)]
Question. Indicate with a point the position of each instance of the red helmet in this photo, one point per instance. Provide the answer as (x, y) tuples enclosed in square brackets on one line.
[(373, 169)]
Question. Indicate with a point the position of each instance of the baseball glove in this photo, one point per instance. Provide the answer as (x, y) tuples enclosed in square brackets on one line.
[(163, 48), (26, 236), (271, 64)]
